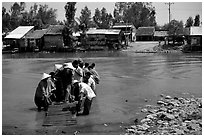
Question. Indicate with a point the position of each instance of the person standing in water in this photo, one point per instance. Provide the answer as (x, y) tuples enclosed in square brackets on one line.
[(94, 73), (43, 92)]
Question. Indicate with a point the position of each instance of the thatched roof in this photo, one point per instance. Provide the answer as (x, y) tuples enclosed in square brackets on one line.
[(55, 29), (36, 34)]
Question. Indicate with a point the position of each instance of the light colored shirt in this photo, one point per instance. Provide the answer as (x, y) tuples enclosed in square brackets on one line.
[(78, 74), (92, 84), (86, 89)]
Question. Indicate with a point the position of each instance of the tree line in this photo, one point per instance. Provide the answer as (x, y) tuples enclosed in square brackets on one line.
[(140, 14), (40, 16)]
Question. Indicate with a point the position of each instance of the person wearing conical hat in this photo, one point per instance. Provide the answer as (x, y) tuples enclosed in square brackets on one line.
[(67, 77), (43, 91), (57, 67)]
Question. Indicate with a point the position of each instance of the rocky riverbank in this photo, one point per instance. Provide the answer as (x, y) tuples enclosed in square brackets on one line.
[(171, 116)]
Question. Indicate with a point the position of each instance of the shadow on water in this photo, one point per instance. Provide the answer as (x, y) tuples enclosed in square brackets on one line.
[(128, 82)]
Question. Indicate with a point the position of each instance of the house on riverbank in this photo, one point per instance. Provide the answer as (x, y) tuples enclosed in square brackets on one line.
[(128, 30), (104, 38), (36, 40), (145, 34), (17, 38), (53, 38), (194, 39), (160, 35)]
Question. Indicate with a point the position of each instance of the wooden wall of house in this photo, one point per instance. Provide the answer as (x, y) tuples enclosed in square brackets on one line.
[(53, 41), (144, 38)]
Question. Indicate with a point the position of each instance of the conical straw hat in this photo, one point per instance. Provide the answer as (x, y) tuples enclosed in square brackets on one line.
[(69, 66), (45, 75), (57, 66)]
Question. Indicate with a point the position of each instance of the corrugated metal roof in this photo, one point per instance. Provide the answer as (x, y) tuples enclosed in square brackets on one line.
[(36, 34), (145, 31), (103, 31), (122, 26), (19, 32)]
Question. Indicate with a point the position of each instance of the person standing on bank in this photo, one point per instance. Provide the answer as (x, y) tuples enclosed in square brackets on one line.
[(43, 92)]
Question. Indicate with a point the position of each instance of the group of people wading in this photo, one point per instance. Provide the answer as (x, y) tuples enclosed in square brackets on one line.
[(73, 82)]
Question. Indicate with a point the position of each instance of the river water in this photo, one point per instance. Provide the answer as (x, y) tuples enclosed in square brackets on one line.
[(128, 82)]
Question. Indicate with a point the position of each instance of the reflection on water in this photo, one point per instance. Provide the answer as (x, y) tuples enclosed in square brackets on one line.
[(127, 79)]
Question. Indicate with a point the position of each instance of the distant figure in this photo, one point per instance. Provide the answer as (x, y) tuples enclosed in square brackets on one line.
[(43, 92)]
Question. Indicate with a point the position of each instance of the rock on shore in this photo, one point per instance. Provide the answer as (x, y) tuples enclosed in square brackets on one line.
[(171, 116)]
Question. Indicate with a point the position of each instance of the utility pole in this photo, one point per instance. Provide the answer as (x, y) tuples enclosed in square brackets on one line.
[(169, 4)]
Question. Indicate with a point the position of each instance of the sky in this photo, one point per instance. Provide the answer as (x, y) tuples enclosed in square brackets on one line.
[(180, 11)]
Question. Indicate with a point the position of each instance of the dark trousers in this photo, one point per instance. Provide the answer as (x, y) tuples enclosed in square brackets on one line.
[(87, 106), (41, 102)]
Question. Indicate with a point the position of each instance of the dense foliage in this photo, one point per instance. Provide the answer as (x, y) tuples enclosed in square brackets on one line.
[(39, 16), (70, 10), (102, 18), (190, 21), (138, 13), (85, 19)]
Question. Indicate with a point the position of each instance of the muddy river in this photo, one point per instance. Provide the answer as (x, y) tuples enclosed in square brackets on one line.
[(128, 82)]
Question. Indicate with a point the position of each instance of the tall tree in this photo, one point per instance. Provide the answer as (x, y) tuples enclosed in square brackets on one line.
[(102, 18), (70, 10), (40, 17), (16, 10), (138, 13), (46, 15), (5, 20), (197, 20), (189, 22), (175, 29), (97, 17), (120, 10), (85, 19)]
